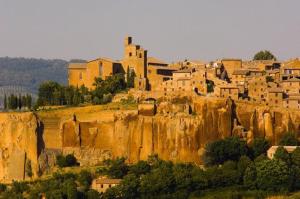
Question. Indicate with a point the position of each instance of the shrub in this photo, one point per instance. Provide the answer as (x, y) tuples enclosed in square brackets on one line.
[(85, 179), (71, 160), (273, 175), (66, 161)]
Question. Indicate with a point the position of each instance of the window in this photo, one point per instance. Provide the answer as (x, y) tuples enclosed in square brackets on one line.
[(140, 55), (276, 101), (80, 75), (130, 54), (276, 94), (101, 185), (109, 186)]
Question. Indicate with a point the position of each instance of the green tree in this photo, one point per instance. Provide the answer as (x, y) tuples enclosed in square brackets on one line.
[(295, 157), (130, 78), (92, 194), (243, 164), (28, 169), (158, 182), (118, 168), (231, 148), (129, 186), (264, 55), (199, 179), (140, 168), (70, 189), (5, 102), (259, 146), (282, 154), (20, 102), (28, 101), (249, 177), (61, 161), (273, 175), (289, 139), (3, 187), (85, 179), (183, 176), (71, 160)]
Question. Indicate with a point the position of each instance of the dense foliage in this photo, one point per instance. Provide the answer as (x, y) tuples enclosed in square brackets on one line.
[(52, 93), (66, 161), (264, 55)]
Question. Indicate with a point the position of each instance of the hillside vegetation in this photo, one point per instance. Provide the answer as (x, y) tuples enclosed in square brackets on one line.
[(29, 73), (24, 75)]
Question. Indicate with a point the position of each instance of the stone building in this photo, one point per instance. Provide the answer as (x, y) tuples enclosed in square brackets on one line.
[(102, 184), (291, 85), (226, 91), (275, 96), (231, 65), (257, 88), (292, 101), (291, 68), (148, 72), (187, 80), (272, 150)]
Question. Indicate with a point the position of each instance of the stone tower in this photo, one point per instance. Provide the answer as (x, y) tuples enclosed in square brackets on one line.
[(135, 59)]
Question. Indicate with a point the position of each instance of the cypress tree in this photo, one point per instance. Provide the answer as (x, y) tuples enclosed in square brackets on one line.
[(5, 102)]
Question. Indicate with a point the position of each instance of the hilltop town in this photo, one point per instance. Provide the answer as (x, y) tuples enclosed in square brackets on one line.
[(268, 82)]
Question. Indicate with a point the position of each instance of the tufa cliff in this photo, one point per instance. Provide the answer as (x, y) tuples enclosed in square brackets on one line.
[(177, 132)]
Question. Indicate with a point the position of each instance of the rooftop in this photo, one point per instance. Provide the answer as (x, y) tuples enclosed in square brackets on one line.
[(77, 65), (108, 181), (240, 72), (156, 61), (275, 90)]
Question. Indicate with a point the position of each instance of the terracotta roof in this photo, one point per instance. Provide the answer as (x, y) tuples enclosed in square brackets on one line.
[(77, 65), (273, 71), (198, 62), (108, 181), (184, 71), (228, 86), (240, 72), (293, 64), (156, 61), (104, 58), (275, 90)]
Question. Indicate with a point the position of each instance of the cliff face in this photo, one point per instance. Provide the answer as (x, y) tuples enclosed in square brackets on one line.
[(176, 132), (18, 144)]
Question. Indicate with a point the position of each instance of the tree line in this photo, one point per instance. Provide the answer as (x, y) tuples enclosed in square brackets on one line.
[(52, 93), (14, 102)]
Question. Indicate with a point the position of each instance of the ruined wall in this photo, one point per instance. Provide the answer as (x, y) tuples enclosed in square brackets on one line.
[(177, 132)]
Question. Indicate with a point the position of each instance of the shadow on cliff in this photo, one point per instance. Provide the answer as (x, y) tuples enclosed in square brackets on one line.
[(40, 132)]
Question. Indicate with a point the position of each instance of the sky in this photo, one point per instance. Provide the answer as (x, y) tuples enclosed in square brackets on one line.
[(170, 30)]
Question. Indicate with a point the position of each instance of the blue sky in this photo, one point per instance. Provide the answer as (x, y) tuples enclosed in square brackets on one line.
[(168, 29)]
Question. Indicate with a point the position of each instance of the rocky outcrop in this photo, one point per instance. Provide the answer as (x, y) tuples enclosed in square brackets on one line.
[(18, 144), (177, 132)]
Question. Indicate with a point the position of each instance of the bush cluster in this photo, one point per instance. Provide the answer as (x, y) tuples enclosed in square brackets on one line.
[(66, 161), (52, 93)]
